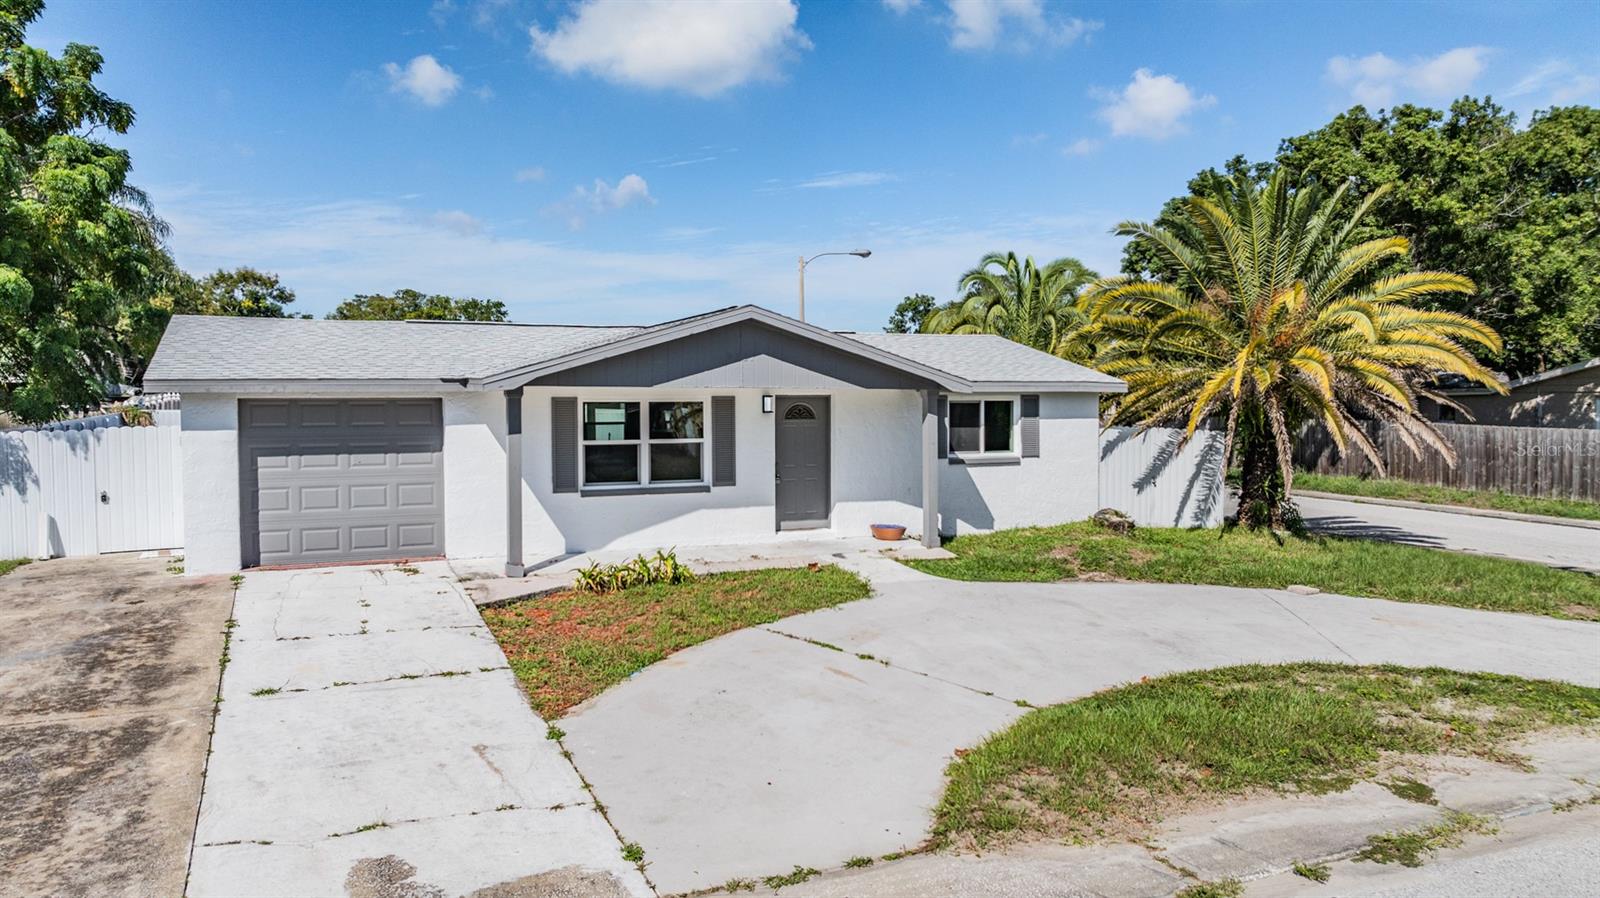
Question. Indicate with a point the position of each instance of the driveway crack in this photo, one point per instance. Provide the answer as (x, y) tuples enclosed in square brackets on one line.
[(1310, 626), (891, 665)]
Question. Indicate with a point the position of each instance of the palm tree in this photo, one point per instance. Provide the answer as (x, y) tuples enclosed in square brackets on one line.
[(1019, 300), (1273, 319)]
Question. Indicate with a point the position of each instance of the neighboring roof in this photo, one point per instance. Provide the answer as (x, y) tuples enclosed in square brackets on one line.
[(213, 353), (1528, 380)]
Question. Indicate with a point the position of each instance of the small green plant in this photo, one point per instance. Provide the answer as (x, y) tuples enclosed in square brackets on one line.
[(175, 568), (1313, 872), (554, 733), (857, 861), (1409, 848), (663, 567), (739, 885), (237, 580), (1411, 790), (793, 878), (1222, 888), (267, 690), (408, 570), (632, 853)]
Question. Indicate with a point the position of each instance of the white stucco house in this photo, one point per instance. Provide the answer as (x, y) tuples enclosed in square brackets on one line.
[(312, 442)]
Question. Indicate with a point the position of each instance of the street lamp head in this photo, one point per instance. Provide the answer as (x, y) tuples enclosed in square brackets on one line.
[(863, 253)]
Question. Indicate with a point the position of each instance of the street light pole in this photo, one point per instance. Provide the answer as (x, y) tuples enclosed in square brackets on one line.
[(861, 253)]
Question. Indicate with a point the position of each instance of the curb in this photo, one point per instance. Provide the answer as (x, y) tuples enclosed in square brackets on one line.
[(1455, 509)]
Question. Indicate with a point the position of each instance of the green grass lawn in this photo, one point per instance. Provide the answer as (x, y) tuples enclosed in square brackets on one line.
[(1109, 766), (7, 565), (1445, 495), (1235, 557), (569, 646)]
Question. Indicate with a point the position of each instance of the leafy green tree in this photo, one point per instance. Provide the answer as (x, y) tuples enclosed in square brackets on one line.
[(237, 292), (78, 242), (1016, 299), (1515, 211), (1275, 315), (405, 304), (910, 314)]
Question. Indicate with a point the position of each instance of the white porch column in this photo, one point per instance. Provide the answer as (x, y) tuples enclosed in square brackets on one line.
[(514, 567), (930, 468)]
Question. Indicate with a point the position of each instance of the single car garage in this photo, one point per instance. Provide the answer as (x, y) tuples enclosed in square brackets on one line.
[(325, 480)]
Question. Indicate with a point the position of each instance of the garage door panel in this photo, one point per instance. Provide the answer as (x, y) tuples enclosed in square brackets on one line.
[(341, 480)]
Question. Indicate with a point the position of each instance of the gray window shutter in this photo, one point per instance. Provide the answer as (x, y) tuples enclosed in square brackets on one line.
[(563, 444), (724, 459), (944, 427), (1030, 426)]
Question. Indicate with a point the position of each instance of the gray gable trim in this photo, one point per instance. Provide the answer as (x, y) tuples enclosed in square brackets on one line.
[(700, 324), (742, 355)]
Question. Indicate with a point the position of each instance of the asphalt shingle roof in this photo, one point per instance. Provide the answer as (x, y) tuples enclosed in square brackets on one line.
[(203, 347), (207, 348), (983, 357)]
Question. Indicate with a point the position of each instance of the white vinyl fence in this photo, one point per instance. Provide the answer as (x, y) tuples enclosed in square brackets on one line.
[(1146, 477), (86, 491)]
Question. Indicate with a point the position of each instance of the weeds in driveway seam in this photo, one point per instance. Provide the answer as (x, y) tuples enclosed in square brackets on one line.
[(1410, 848), (554, 733), (1222, 888), (858, 862), (632, 853), (793, 878), (1313, 872), (266, 690), (1411, 790), (738, 884)]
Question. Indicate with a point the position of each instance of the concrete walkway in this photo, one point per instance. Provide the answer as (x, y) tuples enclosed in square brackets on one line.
[(372, 743), (825, 736), (1559, 545)]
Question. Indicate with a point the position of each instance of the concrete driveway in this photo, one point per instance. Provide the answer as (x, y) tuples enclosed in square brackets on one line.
[(108, 668), (1559, 545), (372, 743), (825, 736)]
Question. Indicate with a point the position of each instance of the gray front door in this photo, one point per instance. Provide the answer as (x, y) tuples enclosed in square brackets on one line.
[(324, 480), (802, 454)]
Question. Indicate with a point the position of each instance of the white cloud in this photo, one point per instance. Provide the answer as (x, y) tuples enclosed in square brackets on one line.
[(425, 79), (1151, 106), (901, 7), (835, 180), (1377, 80), (1559, 82), (458, 221), (531, 173), (604, 197), (702, 47), (1083, 146), (327, 251), (981, 24)]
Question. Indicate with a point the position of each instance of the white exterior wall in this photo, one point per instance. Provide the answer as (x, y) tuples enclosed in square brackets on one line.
[(210, 483), (1060, 485), (875, 466)]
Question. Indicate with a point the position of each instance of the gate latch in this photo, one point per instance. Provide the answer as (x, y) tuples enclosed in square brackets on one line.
[(104, 499)]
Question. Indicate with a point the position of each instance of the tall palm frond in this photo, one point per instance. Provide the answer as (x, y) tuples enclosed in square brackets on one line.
[(1017, 299)]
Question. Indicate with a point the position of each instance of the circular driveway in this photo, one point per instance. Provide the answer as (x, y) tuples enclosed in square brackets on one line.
[(825, 736)]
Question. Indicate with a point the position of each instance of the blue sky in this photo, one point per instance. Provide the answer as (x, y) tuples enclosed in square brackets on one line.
[(606, 162)]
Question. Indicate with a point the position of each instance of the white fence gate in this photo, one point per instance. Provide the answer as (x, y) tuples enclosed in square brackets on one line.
[(1146, 477), (84, 492)]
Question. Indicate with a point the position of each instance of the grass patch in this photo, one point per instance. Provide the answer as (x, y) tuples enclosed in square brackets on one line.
[(569, 646), (793, 878), (858, 862), (7, 565), (1409, 848), (1235, 557), (1111, 764), (1347, 485)]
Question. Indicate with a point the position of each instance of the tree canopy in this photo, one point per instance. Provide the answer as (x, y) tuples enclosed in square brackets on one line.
[(79, 244), (405, 304), (1515, 211), (909, 315)]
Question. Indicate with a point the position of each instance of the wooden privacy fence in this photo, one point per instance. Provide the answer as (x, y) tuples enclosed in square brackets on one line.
[(86, 491), (1553, 462)]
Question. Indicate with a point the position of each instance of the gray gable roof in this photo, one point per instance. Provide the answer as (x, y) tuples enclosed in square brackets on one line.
[(201, 353)]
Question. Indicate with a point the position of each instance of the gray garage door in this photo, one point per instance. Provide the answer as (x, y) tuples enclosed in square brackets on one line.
[(340, 480)]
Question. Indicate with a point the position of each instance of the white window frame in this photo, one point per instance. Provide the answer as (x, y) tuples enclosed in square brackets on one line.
[(643, 443), (983, 426)]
